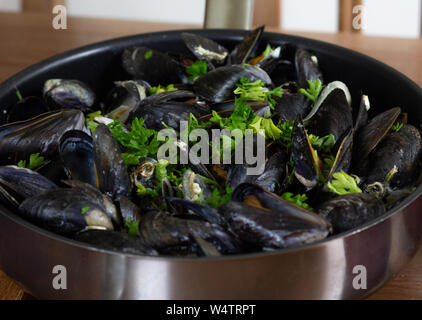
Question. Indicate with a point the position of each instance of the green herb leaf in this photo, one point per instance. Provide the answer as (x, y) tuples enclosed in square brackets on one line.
[(133, 227), (85, 210), (312, 93), (342, 183), (286, 129), (159, 89), (268, 50), (148, 55), (298, 199), (35, 161), (324, 144), (396, 127), (219, 197), (197, 69), (270, 129), (18, 94), (250, 90)]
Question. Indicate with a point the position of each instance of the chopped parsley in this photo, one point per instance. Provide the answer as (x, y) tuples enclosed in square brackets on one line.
[(342, 183), (85, 210), (324, 144), (257, 91), (197, 69), (268, 50), (312, 93), (219, 197), (139, 142), (89, 120), (133, 227), (148, 55), (298, 199), (35, 161), (396, 127), (19, 95), (159, 89)]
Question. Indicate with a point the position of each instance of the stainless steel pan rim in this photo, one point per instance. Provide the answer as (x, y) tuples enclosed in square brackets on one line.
[(225, 34)]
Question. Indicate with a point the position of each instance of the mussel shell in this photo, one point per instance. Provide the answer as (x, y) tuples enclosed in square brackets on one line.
[(370, 135), (17, 184), (246, 48), (27, 108), (194, 188), (362, 116), (38, 135), (100, 199), (159, 98), (112, 174), (351, 210), (163, 232), (115, 241), (205, 49), (332, 113), (128, 210), (270, 229), (60, 211), (306, 166), (343, 155), (152, 66), (306, 68), (289, 106), (401, 149), (68, 94), (218, 85), (77, 155)]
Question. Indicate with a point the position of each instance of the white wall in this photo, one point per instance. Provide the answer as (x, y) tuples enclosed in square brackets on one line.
[(178, 11), (310, 15), (10, 5), (393, 18)]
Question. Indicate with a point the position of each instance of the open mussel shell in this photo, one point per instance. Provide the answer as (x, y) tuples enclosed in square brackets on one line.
[(18, 184), (111, 171), (218, 85), (371, 134), (362, 116), (115, 241), (343, 155), (143, 173), (304, 158), (152, 66), (77, 155), (332, 112), (246, 48), (100, 199), (399, 151), (123, 98), (68, 94), (27, 108), (37, 135), (351, 210), (307, 68), (167, 234), (65, 211), (205, 49), (269, 229)]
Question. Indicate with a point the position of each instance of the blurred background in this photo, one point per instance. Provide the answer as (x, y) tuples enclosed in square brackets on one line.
[(383, 17)]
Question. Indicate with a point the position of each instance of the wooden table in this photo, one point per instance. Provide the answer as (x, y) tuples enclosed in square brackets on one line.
[(28, 38)]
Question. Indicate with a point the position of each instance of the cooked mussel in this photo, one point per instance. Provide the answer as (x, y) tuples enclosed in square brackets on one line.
[(152, 66), (166, 233), (205, 49), (246, 48), (65, 211), (18, 184), (68, 94), (37, 135), (112, 175), (351, 210), (307, 67)]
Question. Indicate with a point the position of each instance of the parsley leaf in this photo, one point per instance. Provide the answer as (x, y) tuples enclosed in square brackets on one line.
[(397, 127), (312, 93), (85, 210), (35, 161), (148, 54), (159, 89), (270, 129), (197, 69), (324, 144), (268, 50), (133, 227), (219, 197), (298, 199), (342, 183), (139, 142), (256, 91), (19, 95)]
